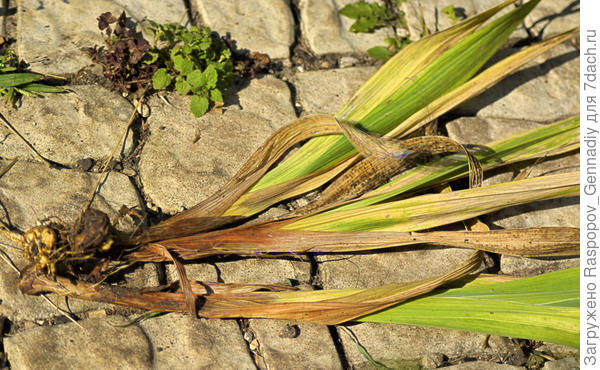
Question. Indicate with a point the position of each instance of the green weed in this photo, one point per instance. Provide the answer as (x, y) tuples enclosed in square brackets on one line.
[(194, 61), (372, 16), (15, 80)]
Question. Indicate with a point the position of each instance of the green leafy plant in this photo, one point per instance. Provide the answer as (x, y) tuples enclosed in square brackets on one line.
[(372, 16), (14, 80), (123, 56), (196, 61), (449, 11)]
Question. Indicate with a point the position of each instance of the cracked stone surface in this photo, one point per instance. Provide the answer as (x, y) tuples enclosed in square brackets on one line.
[(45, 36), (435, 20), (100, 344), (326, 31), (286, 344), (326, 91), (386, 267), (30, 192), (65, 128), (549, 78), (266, 26), (392, 345), (548, 18), (179, 171), (177, 341), (185, 159), (476, 365)]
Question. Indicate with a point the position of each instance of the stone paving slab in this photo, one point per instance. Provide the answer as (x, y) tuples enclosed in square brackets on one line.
[(547, 19), (553, 17), (402, 264), (84, 123), (477, 365), (327, 91), (32, 191), (286, 344), (99, 345), (283, 344), (177, 342), (266, 26), (45, 37), (562, 364), (393, 345), (541, 92), (178, 171), (325, 31), (435, 20), (264, 271)]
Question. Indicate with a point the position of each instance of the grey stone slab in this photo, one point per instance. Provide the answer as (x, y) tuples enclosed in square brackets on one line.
[(179, 171), (478, 365), (85, 123), (437, 21), (264, 271), (521, 266), (31, 192), (326, 31), (549, 18), (13, 304), (395, 345), (562, 364), (50, 34), (545, 90), (266, 26), (367, 270), (282, 343), (181, 342), (99, 345), (434, 19), (327, 91), (481, 130), (293, 345), (546, 19), (558, 350), (197, 271)]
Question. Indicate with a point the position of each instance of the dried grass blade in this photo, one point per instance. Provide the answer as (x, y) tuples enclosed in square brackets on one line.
[(384, 157), (432, 210), (268, 238), (544, 308), (449, 70), (8, 167), (256, 201), (325, 307), (434, 109), (478, 84), (558, 138), (190, 299), (409, 62), (319, 308)]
